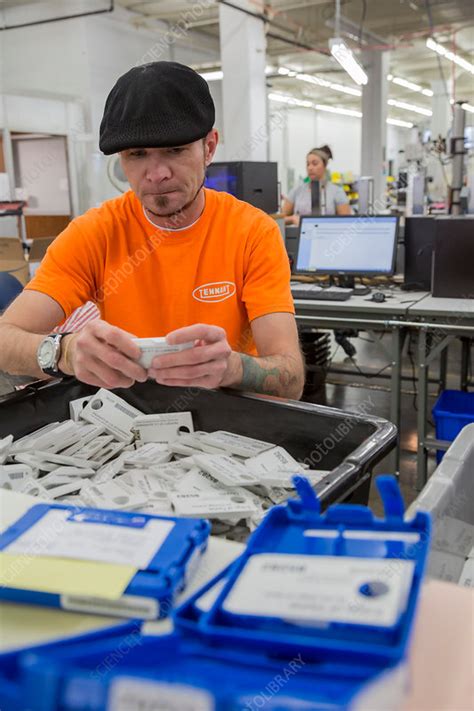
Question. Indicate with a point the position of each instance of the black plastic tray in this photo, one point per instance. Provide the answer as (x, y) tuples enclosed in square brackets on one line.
[(347, 444)]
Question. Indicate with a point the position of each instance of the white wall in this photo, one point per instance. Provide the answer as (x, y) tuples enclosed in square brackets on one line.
[(343, 136), (45, 60), (397, 138), (49, 66)]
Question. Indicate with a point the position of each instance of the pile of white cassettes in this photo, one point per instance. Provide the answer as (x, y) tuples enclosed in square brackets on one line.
[(110, 455)]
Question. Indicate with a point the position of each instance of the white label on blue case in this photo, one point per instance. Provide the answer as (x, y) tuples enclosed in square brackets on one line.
[(322, 589), (132, 694), (56, 536), (146, 608)]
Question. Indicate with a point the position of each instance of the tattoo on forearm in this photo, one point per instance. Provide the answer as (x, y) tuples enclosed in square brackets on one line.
[(269, 378)]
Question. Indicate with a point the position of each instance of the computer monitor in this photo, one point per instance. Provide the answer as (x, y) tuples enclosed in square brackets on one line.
[(340, 245), (256, 182)]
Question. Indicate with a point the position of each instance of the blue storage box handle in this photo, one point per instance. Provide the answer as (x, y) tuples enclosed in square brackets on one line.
[(308, 502), (393, 504)]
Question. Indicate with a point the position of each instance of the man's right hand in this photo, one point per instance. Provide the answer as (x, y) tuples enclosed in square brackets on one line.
[(102, 355)]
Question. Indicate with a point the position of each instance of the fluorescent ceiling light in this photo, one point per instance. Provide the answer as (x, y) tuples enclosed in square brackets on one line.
[(334, 110), (409, 85), (342, 54), (312, 79), (399, 122), (345, 89), (443, 52), (212, 76), (291, 100), (410, 107), (468, 107)]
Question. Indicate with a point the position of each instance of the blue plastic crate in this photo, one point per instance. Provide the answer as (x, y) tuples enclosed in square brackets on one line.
[(453, 410)]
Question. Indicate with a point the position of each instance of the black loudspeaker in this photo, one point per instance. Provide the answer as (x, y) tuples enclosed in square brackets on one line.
[(419, 246), (453, 262)]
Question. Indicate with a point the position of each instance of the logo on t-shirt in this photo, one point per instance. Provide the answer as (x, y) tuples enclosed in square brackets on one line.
[(214, 291)]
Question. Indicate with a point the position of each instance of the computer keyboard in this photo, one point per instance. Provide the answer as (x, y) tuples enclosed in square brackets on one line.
[(313, 291)]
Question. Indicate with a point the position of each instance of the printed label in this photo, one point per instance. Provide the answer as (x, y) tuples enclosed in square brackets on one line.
[(145, 608), (214, 291), (302, 588), (129, 694)]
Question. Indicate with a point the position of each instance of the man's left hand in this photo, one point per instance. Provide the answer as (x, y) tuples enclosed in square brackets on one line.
[(210, 364)]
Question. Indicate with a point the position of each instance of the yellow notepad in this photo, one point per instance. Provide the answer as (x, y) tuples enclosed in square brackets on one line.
[(22, 626), (64, 576)]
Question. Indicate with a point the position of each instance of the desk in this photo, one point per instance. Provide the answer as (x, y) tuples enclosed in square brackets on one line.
[(361, 313), (439, 322)]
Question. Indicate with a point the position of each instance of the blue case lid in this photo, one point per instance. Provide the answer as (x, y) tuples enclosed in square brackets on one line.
[(296, 545), (166, 574)]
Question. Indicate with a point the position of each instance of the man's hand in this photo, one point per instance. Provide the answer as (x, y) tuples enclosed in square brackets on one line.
[(210, 364), (102, 355)]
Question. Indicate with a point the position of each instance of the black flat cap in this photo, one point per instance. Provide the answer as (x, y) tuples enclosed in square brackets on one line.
[(156, 105)]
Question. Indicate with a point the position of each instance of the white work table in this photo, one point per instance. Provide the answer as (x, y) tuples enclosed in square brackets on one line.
[(361, 313), (396, 304), (438, 321), (440, 307)]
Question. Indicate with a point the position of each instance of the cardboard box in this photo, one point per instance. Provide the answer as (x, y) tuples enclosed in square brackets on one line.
[(37, 251), (12, 259)]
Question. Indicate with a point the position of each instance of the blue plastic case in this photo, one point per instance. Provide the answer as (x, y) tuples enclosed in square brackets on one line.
[(151, 593), (180, 674), (349, 531), (11, 686), (220, 662)]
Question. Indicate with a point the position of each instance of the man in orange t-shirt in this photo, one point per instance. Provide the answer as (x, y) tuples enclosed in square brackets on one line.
[(168, 257)]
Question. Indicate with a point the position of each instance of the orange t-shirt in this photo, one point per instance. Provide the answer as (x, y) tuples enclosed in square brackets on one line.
[(226, 269)]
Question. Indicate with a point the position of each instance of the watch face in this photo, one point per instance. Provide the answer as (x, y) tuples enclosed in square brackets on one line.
[(46, 354)]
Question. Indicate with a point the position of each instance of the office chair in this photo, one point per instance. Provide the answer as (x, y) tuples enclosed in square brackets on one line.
[(10, 287)]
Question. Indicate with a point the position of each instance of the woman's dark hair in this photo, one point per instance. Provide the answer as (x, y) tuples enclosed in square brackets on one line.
[(324, 152)]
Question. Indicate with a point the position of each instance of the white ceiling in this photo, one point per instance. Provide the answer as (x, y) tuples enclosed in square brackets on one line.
[(298, 32)]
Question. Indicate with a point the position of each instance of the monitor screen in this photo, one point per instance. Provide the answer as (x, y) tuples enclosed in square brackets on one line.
[(221, 178), (364, 245)]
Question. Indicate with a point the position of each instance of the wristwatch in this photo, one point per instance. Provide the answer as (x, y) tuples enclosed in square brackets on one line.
[(49, 354)]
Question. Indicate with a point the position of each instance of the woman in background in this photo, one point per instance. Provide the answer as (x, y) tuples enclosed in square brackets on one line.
[(299, 199)]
